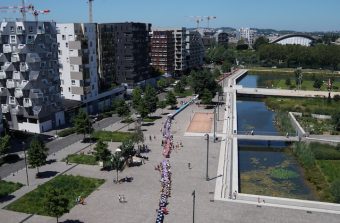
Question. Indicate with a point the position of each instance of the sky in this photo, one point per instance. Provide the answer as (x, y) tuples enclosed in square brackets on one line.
[(298, 15)]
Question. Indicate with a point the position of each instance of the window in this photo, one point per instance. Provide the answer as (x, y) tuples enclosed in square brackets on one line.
[(30, 39), (30, 29), (90, 43), (19, 28), (12, 29), (69, 89), (11, 100), (60, 52), (61, 89), (66, 44), (27, 100), (73, 82), (61, 81), (13, 39), (63, 37)]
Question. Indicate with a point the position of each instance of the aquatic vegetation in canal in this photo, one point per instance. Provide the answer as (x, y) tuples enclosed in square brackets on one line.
[(283, 174)]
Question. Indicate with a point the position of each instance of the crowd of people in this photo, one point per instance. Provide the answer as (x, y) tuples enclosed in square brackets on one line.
[(165, 169)]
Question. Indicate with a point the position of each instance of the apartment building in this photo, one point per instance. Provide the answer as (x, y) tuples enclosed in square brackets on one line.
[(77, 54), (29, 78), (123, 53), (163, 50), (194, 50), (247, 34), (180, 49)]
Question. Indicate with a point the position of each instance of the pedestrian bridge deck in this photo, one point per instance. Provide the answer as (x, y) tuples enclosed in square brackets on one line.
[(269, 138)]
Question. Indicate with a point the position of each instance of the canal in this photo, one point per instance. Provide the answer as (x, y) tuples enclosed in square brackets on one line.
[(266, 168)]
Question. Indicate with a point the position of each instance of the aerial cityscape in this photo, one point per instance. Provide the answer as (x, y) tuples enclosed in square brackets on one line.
[(169, 111)]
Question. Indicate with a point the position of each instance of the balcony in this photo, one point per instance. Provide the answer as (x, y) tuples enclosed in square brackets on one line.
[(76, 75), (22, 84), (27, 103), (4, 108), (3, 91), (15, 58), (24, 67), (3, 58), (36, 93), (8, 66), (17, 110), (3, 75), (10, 83), (74, 45), (16, 75), (76, 60), (18, 93), (7, 48)]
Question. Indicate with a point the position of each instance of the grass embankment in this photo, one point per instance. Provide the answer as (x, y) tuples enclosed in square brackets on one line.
[(322, 167), (6, 188), (72, 187), (277, 78), (81, 159), (112, 136), (307, 106)]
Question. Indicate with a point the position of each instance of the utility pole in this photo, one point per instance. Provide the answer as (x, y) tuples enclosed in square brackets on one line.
[(193, 205), (214, 124), (24, 145), (207, 167)]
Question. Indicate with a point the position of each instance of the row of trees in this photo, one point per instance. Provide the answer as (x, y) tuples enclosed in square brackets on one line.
[(319, 56)]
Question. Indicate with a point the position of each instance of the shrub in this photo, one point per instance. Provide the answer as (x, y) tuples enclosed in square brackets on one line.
[(66, 132), (335, 190)]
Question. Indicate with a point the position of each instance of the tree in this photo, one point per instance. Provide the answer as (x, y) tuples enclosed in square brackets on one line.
[(122, 108), (162, 83), (162, 105), (82, 123), (4, 144), (171, 99), (127, 148), (335, 190), (288, 81), (179, 87), (317, 83), (136, 97), (206, 97), (336, 121), (260, 41), (226, 66), (241, 45), (117, 163), (336, 98), (37, 154), (142, 109), (298, 77), (138, 136), (201, 80), (102, 153), (150, 98), (56, 203)]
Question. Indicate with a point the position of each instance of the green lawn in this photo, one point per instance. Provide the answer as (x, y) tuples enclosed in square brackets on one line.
[(151, 119), (186, 93), (330, 168), (82, 159), (112, 136), (304, 105), (72, 186), (316, 126), (7, 188)]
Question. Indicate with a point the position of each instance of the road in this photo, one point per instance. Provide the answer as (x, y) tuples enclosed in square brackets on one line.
[(56, 145)]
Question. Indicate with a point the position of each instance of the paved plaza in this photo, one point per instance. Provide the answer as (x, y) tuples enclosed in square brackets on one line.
[(143, 192)]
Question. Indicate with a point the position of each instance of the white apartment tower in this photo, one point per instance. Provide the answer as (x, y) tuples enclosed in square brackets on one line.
[(77, 54), (247, 34)]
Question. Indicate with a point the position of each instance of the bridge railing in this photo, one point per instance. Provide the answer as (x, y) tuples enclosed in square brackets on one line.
[(270, 133)]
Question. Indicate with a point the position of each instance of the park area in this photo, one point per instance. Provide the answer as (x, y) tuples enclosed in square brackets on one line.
[(72, 187), (7, 188)]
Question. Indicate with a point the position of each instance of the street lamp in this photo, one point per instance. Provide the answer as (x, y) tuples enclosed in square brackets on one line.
[(23, 143), (193, 205), (116, 159), (214, 124), (207, 167)]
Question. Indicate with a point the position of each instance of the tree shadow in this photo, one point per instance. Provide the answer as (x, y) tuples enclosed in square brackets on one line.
[(46, 174), (72, 221), (51, 161), (148, 124), (6, 198), (165, 113)]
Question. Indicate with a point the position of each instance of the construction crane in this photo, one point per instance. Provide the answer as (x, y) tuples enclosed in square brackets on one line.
[(23, 9), (197, 19), (90, 11), (209, 18)]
